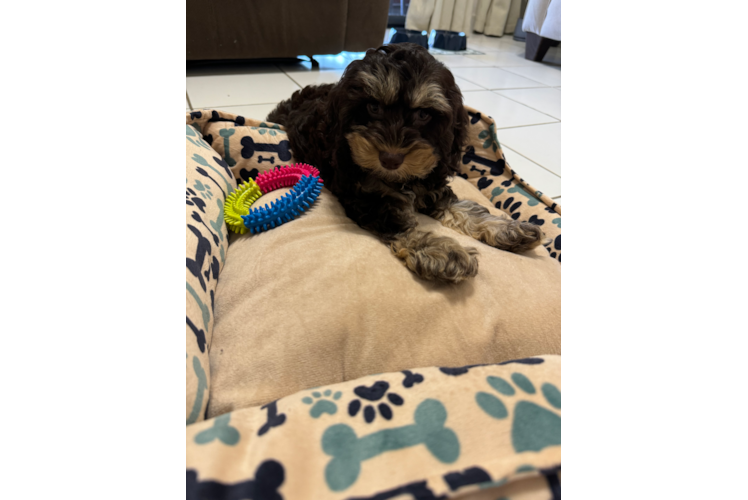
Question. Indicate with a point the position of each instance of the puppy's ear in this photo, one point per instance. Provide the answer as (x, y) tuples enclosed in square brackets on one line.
[(459, 125)]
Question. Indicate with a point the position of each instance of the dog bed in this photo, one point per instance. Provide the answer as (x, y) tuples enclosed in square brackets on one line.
[(230, 455)]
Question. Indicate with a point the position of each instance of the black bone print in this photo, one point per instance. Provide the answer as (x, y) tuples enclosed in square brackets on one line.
[(199, 334), (275, 419), (203, 248)]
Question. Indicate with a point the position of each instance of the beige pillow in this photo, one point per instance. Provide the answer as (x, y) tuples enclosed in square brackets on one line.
[(319, 300)]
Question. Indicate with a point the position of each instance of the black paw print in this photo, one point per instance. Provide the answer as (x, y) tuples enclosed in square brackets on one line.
[(534, 220), (474, 118), (195, 114), (194, 200), (554, 248), (464, 176), (511, 206), (484, 182), (411, 378), (248, 174), (209, 139), (374, 393)]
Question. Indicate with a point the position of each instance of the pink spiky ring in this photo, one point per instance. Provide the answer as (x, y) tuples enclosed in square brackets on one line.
[(306, 185)]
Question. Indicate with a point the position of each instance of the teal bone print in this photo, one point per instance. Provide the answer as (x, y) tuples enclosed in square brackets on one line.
[(221, 430), (348, 450), (226, 133), (193, 131), (533, 427), (202, 386), (491, 141), (532, 200)]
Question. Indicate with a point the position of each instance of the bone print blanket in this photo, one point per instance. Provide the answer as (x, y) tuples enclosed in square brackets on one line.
[(481, 432)]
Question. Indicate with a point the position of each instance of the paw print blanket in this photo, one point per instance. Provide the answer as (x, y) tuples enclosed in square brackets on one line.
[(478, 432), (490, 431)]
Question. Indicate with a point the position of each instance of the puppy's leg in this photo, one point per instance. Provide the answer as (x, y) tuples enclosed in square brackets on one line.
[(472, 219), (432, 257)]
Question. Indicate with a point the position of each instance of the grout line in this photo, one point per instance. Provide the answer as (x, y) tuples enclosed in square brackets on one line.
[(528, 125), (533, 161), (289, 77), (523, 76), (189, 103), (523, 104)]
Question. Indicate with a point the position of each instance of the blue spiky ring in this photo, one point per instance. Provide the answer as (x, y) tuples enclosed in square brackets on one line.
[(306, 185)]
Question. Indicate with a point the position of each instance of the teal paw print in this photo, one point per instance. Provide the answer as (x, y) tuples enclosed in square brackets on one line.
[(221, 430), (491, 141), (533, 427), (557, 221), (531, 200), (204, 190), (265, 128), (322, 404)]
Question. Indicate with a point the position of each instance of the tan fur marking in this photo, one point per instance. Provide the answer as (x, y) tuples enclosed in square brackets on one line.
[(429, 95), (383, 86), (419, 160), (432, 257), (472, 219)]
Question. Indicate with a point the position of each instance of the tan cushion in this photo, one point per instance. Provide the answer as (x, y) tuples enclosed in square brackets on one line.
[(320, 300)]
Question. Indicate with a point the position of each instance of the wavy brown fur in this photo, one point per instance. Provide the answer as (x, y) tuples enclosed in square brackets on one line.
[(373, 108)]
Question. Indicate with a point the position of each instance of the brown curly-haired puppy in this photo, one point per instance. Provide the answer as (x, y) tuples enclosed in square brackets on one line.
[(386, 139)]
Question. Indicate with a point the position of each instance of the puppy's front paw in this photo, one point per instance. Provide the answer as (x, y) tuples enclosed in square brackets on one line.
[(436, 258), (513, 236)]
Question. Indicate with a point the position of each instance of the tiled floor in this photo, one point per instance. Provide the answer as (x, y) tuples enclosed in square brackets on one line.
[(523, 97)]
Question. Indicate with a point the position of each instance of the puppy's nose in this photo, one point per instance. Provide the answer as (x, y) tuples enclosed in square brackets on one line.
[(390, 161)]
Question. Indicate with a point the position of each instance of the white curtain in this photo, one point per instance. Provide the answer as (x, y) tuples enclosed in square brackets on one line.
[(453, 15)]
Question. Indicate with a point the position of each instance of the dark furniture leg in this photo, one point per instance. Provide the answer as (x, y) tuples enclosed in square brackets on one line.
[(536, 46)]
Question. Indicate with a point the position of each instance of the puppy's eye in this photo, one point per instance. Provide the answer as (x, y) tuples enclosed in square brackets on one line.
[(373, 108), (422, 116)]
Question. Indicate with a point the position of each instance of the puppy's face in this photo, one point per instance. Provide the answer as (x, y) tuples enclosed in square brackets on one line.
[(401, 111)]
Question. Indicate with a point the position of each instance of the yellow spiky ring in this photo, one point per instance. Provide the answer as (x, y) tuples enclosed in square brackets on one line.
[(238, 203)]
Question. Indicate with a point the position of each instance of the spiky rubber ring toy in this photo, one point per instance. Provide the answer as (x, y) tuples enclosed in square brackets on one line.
[(285, 176), (306, 186)]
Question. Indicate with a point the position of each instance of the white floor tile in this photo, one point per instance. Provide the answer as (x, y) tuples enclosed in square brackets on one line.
[(460, 62), (304, 78), (546, 101), (495, 78), (539, 143), (538, 177), (506, 112), (504, 58), (466, 86), (254, 111), (235, 90), (549, 75)]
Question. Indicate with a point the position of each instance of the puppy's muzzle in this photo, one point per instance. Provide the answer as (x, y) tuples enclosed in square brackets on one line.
[(391, 161)]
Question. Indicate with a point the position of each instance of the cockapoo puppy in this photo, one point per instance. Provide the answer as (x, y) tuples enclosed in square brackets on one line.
[(386, 139)]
